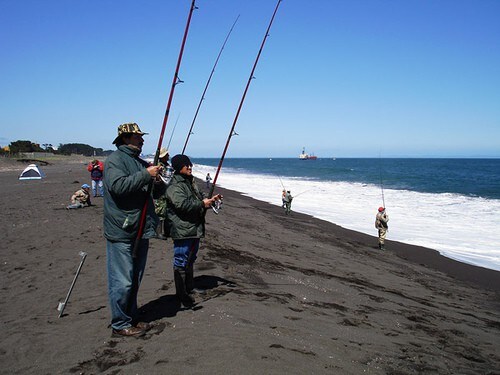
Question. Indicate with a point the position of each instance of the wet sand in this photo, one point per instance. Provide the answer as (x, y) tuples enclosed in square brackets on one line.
[(283, 294)]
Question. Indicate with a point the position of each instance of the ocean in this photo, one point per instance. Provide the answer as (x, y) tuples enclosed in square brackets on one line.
[(450, 205)]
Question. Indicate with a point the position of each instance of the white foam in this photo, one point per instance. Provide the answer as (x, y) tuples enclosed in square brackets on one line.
[(459, 227)]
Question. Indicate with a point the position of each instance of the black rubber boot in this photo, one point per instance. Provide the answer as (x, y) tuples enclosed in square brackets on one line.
[(160, 231), (189, 280), (180, 288)]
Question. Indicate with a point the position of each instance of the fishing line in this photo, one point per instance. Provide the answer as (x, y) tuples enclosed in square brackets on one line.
[(206, 86), (173, 130)]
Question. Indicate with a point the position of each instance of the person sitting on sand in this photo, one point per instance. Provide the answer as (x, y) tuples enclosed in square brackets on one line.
[(80, 198), (186, 215), (381, 224)]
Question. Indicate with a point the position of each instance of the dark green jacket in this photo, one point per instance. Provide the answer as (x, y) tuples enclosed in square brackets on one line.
[(185, 209), (126, 183)]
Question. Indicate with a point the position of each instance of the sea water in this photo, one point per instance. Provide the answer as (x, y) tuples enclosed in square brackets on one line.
[(450, 205)]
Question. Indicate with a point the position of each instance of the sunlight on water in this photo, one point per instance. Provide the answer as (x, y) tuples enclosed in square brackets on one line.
[(459, 227)]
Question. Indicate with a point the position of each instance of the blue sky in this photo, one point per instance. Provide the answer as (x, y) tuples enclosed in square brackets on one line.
[(351, 78)]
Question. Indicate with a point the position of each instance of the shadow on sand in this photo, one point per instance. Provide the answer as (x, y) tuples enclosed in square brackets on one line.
[(168, 305)]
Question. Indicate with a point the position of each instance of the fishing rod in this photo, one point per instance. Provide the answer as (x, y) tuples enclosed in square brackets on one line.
[(232, 132), (283, 186), (206, 86), (175, 81), (305, 191), (173, 130), (381, 182)]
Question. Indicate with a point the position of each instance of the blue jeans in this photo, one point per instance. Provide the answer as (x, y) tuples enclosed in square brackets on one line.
[(185, 252), (124, 278), (95, 185)]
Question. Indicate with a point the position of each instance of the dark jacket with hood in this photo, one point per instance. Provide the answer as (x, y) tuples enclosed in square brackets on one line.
[(185, 208), (126, 181)]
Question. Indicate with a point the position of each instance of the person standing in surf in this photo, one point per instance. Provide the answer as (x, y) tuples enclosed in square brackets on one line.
[(381, 224)]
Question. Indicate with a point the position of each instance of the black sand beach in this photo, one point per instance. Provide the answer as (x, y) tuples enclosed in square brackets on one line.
[(283, 294)]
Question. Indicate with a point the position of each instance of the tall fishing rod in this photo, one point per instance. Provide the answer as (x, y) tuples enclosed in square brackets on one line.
[(281, 182), (175, 81), (206, 86), (381, 182), (232, 132), (305, 191)]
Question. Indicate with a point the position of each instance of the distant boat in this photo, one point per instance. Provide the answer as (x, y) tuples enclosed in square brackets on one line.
[(305, 156)]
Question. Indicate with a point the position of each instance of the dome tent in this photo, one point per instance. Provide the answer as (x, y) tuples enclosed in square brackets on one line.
[(32, 172)]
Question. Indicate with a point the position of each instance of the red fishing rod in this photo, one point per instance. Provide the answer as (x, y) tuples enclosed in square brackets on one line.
[(232, 132), (206, 86), (175, 81)]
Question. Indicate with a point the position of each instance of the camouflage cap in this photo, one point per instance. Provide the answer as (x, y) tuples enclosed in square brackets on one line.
[(128, 128)]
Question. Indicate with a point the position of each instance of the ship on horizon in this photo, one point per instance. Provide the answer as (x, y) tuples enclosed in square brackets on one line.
[(305, 156)]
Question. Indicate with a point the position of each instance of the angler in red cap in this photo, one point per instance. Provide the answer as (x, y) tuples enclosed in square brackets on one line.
[(381, 224)]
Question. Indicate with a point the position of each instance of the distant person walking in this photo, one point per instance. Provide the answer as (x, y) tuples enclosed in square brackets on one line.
[(208, 179), (288, 202), (80, 198), (381, 224), (283, 195), (96, 169), (126, 181), (186, 208)]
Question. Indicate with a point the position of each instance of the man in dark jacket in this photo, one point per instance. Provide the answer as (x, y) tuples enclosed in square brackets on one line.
[(186, 215), (126, 182)]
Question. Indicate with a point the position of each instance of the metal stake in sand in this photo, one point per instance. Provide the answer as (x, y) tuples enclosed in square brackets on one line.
[(62, 305)]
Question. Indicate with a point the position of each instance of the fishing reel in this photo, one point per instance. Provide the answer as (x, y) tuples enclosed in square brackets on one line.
[(166, 175), (217, 206)]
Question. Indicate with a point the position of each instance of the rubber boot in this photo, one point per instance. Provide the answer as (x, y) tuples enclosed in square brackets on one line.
[(382, 246), (180, 288), (160, 231), (189, 280)]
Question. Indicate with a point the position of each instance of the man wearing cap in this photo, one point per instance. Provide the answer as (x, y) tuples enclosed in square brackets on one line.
[(126, 181), (161, 203), (186, 215), (381, 224), (80, 198)]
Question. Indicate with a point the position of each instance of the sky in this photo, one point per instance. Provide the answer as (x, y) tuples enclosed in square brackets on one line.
[(342, 78)]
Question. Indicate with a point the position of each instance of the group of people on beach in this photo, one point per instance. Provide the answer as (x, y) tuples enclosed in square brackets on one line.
[(130, 209), (381, 219), (144, 201)]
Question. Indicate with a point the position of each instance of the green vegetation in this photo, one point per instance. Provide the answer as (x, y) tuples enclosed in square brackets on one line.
[(21, 147)]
